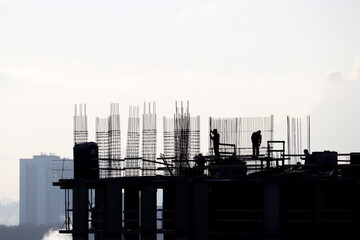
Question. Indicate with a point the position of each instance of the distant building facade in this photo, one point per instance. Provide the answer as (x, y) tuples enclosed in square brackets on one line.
[(40, 202)]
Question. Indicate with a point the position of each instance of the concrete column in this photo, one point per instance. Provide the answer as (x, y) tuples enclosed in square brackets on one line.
[(148, 212), (182, 211), (114, 211), (80, 211), (319, 198), (131, 213), (201, 210), (168, 210), (98, 215), (271, 209)]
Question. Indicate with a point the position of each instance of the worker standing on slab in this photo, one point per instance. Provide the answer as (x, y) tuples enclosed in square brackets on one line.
[(216, 141), (256, 142)]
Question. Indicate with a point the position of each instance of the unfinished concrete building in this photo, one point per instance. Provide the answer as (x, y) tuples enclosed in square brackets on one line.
[(231, 196)]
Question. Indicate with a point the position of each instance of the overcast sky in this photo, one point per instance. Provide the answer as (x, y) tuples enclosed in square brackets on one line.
[(228, 58)]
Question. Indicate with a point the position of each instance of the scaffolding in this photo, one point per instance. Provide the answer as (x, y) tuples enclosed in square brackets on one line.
[(149, 134), (80, 124), (133, 143)]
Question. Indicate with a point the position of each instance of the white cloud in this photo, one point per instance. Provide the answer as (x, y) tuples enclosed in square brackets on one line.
[(7, 83), (4, 1), (337, 75), (53, 234), (9, 212), (189, 14), (335, 114), (355, 74)]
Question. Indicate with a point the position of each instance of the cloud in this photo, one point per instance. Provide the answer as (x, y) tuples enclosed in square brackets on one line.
[(7, 82), (355, 74), (9, 212), (189, 14), (4, 1), (336, 114), (53, 234), (337, 75)]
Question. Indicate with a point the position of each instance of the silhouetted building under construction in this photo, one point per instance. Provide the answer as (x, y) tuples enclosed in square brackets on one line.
[(235, 195)]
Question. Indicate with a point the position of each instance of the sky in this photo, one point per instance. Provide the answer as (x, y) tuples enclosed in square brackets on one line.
[(228, 58)]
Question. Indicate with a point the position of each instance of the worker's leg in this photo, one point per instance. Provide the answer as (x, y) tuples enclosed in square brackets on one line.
[(216, 150)]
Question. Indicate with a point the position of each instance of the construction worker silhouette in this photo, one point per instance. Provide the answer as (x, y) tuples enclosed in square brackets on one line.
[(256, 142), (307, 157), (200, 162), (216, 141)]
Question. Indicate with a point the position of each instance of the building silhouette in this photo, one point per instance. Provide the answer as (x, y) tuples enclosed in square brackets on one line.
[(229, 195)]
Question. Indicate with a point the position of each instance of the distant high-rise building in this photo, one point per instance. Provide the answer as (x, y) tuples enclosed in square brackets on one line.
[(40, 202)]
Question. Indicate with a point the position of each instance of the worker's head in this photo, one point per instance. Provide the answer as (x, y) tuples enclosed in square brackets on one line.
[(259, 131), (215, 130), (306, 151)]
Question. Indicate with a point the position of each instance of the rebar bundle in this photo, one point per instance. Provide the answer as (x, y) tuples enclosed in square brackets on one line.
[(238, 131), (102, 140), (182, 136), (169, 137), (149, 141), (108, 139), (295, 132), (133, 143), (194, 136), (115, 140), (80, 125), (169, 141)]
